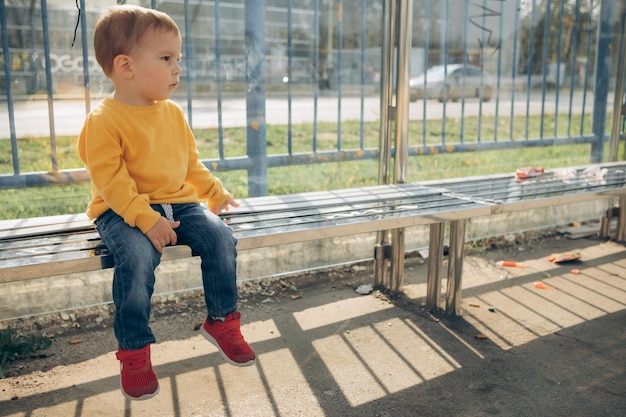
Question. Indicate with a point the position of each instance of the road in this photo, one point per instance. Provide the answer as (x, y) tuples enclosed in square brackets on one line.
[(32, 117)]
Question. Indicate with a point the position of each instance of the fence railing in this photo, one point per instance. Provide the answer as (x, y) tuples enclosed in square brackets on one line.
[(253, 64)]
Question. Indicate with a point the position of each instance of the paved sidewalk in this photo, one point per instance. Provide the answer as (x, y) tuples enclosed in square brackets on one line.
[(548, 352)]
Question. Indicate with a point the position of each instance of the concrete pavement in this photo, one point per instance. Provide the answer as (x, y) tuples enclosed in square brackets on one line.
[(332, 352)]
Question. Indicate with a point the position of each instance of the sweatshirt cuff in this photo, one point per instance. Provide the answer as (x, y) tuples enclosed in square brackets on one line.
[(213, 203), (146, 222)]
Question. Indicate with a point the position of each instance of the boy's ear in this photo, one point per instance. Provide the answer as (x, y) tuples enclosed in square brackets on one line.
[(122, 66)]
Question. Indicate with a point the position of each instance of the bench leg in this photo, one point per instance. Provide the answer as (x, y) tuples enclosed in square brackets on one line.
[(435, 261), (397, 261), (382, 253), (621, 221), (605, 225), (455, 267)]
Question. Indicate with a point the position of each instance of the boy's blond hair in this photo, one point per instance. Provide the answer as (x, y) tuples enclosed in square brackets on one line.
[(120, 29)]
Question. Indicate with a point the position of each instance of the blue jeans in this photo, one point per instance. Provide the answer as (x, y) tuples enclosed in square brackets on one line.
[(136, 259)]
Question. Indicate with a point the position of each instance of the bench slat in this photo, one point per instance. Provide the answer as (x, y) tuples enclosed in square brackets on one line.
[(67, 263), (549, 189), (377, 194), (44, 225), (338, 209), (347, 214), (357, 224), (49, 240), (59, 248)]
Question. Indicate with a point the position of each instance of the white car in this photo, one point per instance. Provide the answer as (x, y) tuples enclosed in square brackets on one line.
[(452, 82)]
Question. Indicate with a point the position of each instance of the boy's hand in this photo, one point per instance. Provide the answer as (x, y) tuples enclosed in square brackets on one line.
[(225, 206), (162, 234)]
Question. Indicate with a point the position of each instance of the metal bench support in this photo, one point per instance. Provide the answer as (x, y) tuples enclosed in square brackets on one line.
[(435, 260), (455, 267), (621, 221), (397, 260), (382, 254)]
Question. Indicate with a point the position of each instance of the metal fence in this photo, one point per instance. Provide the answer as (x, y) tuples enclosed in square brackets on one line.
[(254, 64)]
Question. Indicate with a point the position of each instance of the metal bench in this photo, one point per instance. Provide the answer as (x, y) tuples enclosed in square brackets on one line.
[(48, 246), (507, 193)]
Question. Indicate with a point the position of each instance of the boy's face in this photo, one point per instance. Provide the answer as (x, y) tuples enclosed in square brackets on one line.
[(155, 69)]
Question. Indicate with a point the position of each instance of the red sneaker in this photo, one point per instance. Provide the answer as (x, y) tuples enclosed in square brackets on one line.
[(226, 336), (138, 380)]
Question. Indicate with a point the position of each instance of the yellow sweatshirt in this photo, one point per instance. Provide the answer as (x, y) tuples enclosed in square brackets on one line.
[(142, 155)]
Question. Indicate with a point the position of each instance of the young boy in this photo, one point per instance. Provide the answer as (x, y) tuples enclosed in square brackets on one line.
[(147, 184)]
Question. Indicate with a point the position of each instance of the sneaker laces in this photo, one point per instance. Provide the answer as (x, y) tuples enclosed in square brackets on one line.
[(226, 336), (229, 327), (134, 360)]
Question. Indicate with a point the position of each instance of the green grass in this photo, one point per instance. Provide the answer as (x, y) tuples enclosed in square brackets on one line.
[(34, 155)]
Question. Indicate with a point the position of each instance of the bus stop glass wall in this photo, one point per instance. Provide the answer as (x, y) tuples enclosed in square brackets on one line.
[(497, 74)]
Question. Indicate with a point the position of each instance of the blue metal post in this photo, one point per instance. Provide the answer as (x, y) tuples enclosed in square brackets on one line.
[(546, 54), (427, 19), (573, 66), (289, 76), (444, 61), (316, 71), (529, 65), (363, 63), (339, 68), (7, 76), (602, 75), (85, 46), (218, 80), (558, 69), (465, 27), (46, 48), (514, 72), (587, 66), (498, 83), (189, 61), (256, 139)]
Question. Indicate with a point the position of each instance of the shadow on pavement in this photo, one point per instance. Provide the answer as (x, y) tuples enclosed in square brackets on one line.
[(553, 352)]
